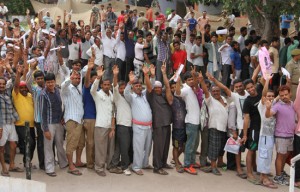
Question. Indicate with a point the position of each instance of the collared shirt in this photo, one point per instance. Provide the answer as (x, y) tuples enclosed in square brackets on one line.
[(241, 41), (36, 91), (225, 54), (3, 10), (104, 106), (72, 99), (129, 46), (51, 107), (8, 112), (140, 107), (161, 110), (210, 50), (188, 44), (192, 105), (85, 46), (120, 47), (123, 113), (108, 43)]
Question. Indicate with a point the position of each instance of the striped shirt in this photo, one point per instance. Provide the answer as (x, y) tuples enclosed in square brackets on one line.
[(51, 108), (163, 49), (140, 107), (8, 112), (72, 100), (36, 92)]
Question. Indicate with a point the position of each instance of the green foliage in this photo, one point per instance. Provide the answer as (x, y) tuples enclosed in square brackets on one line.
[(18, 7)]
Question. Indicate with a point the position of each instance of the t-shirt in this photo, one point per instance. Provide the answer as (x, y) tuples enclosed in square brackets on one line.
[(241, 41), (139, 54), (286, 118), (197, 50), (174, 20), (89, 106), (254, 53), (267, 124), (250, 107), (284, 24), (149, 51), (178, 57), (178, 113), (24, 108), (193, 23), (236, 59), (239, 101)]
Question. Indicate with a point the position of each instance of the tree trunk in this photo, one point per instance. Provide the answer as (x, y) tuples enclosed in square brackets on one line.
[(272, 28)]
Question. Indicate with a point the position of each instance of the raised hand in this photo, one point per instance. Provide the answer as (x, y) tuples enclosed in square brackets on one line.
[(268, 104), (210, 77), (93, 52), (34, 64), (163, 69), (193, 70), (100, 71), (131, 77), (200, 76), (146, 69), (116, 70), (269, 76), (58, 17), (152, 70), (73, 74), (91, 63)]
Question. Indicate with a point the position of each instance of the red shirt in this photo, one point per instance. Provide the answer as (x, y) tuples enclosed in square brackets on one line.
[(121, 19), (178, 57), (161, 18)]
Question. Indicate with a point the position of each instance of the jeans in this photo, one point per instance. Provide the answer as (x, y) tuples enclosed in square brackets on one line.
[(226, 71), (210, 69), (204, 146), (251, 70), (121, 64), (40, 145), (192, 132)]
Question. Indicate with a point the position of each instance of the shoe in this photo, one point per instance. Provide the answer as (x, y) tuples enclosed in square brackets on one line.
[(101, 173), (127, 172), (160, 172), (116, 170), (75, 172), (167, 166), (179, 169), (190, 170), (284, 174), (207, 169), (138, 172), (53, 174), (215, 171), (280, 180), (172, 161), (196, 165)]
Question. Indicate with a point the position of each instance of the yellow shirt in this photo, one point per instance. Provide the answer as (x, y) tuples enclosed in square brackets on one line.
[(24, 107)]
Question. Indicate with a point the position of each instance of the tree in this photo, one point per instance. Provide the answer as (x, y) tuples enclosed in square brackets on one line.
[(18, 7), (264, 15)]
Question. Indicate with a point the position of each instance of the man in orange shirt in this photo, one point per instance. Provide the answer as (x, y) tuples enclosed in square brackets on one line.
[(178, 57), (149, 16)]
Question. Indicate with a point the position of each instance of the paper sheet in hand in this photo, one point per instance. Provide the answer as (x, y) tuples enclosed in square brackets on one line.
[(222, 32), (285, 72), (53, 49), (232, 146), (178, 72), (265, 61)]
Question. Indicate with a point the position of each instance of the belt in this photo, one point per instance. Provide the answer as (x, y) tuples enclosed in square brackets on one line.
[(139, 59), (108, 57), (141, 123), (295, 83)]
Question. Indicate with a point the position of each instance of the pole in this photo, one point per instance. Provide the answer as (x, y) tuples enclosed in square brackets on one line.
[(27, 151)]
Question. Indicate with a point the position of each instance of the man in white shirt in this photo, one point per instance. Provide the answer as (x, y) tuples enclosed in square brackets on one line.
[(124, 122), (98, 48), (108, 53), (72, 100), (104, 133), (192, 120), (121, 53), (189, 42), (241, 39), (173, 19), (3, 11), (225, 51)]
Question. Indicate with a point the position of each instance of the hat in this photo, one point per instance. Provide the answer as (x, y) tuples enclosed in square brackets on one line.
[(295, 52), (157, 84), (22, 83)]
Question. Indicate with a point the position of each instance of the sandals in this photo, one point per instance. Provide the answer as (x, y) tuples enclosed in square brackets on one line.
[(52, 174), (82, 165), (16, 169), (242, 175), (179, 169), (5, 174), (75, 172), (215, 171), (269, 184), (139, 172), (160, 172), (254, 181), (207, 169)]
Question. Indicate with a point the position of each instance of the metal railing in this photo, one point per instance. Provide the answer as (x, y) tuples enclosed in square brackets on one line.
[(292, 173)]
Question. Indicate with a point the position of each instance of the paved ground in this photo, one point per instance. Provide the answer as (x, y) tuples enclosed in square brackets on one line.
[(91, 182)]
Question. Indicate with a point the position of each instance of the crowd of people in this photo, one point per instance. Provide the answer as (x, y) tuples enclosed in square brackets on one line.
[(113, 87)]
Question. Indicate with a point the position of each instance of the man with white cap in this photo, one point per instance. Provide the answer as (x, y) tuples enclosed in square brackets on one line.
[(162, 119), (293, 67)]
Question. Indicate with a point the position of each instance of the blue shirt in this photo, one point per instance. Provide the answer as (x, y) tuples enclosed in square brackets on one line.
[(286, 25), (193, 23), (89, 106), (236, 59)]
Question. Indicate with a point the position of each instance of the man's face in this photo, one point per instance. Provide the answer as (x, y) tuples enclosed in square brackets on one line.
[(270, 96), (214, 39), (2, 85), (173, 13), (145, 25), (137, 88), (74, 39), (23, 90), (122, 37), (176, 46), (37, 52), (16, 23), (239, 87), (228, 40), (173, 88), (198, 42), (140, 40), (250, 88), (76, 79), (40, 81), (207, 29), (192, 39), (190, 82), (216, 92), (158, 90), (130, 35), (232, 33), (108, 33), (116, 27), (244, 33), (149, 38), (164, 37), (105, 86), (50, 85), (285, 96), (176, 38), (76, 67), (48, 14), (276, 44), (88, 35), (41, 44), (204, 14), (121, 89)]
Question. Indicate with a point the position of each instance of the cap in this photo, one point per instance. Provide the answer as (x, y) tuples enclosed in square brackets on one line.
[(22, 83), (295, 52), (157, 84)]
